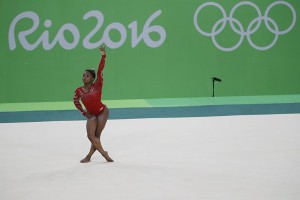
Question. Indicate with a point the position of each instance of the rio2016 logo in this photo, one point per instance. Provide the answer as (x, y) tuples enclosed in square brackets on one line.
[(148, 28), (71, 28), (251, 28)]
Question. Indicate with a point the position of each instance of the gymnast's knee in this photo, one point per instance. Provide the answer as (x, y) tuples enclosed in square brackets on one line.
[(93, 139)]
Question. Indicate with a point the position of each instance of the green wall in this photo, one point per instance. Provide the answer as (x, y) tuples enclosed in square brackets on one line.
[(154, 48)]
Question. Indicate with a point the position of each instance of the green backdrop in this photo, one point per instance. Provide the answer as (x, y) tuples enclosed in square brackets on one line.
[(155, 48)]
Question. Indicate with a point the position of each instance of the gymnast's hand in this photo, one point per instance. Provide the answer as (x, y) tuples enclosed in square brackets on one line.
[(102, 49), (89, 116)]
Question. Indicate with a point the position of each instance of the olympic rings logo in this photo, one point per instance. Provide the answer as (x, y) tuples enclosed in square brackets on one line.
[(251, 29)]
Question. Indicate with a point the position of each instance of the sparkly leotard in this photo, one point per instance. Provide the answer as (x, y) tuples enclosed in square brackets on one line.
[(91, 99)]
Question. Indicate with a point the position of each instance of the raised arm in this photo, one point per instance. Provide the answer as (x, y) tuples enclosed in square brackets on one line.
[(99, 78), (101, 64)]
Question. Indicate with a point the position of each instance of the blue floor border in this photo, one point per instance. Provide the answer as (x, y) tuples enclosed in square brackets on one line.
[(155, 112)]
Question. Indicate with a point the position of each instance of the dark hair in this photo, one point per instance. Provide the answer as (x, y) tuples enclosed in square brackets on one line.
[(92, 71)]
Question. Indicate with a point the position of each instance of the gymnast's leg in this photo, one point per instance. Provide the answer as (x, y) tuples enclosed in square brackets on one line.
[(95, 127)]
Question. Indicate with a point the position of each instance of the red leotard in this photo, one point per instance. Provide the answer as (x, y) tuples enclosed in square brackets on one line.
[(91, 99)]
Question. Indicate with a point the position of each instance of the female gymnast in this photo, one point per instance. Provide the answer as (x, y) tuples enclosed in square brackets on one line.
[(95, 111)]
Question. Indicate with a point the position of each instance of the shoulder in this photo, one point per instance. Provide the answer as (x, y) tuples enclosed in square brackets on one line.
[(78, 90)]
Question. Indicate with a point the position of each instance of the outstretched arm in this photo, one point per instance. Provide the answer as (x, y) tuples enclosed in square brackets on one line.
[(102, 62)]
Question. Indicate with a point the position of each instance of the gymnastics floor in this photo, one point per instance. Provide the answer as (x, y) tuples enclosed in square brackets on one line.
[(245, 157)]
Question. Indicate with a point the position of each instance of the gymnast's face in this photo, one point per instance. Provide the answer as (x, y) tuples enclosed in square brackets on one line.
[(87, 77)]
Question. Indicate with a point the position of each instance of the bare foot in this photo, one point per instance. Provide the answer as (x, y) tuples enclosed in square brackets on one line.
[(85, 160), (106, 156)]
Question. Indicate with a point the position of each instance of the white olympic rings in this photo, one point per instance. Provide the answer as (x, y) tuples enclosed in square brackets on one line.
[(251, 29)]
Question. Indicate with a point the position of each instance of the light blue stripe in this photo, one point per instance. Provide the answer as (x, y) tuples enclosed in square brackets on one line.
[(158, 112)]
